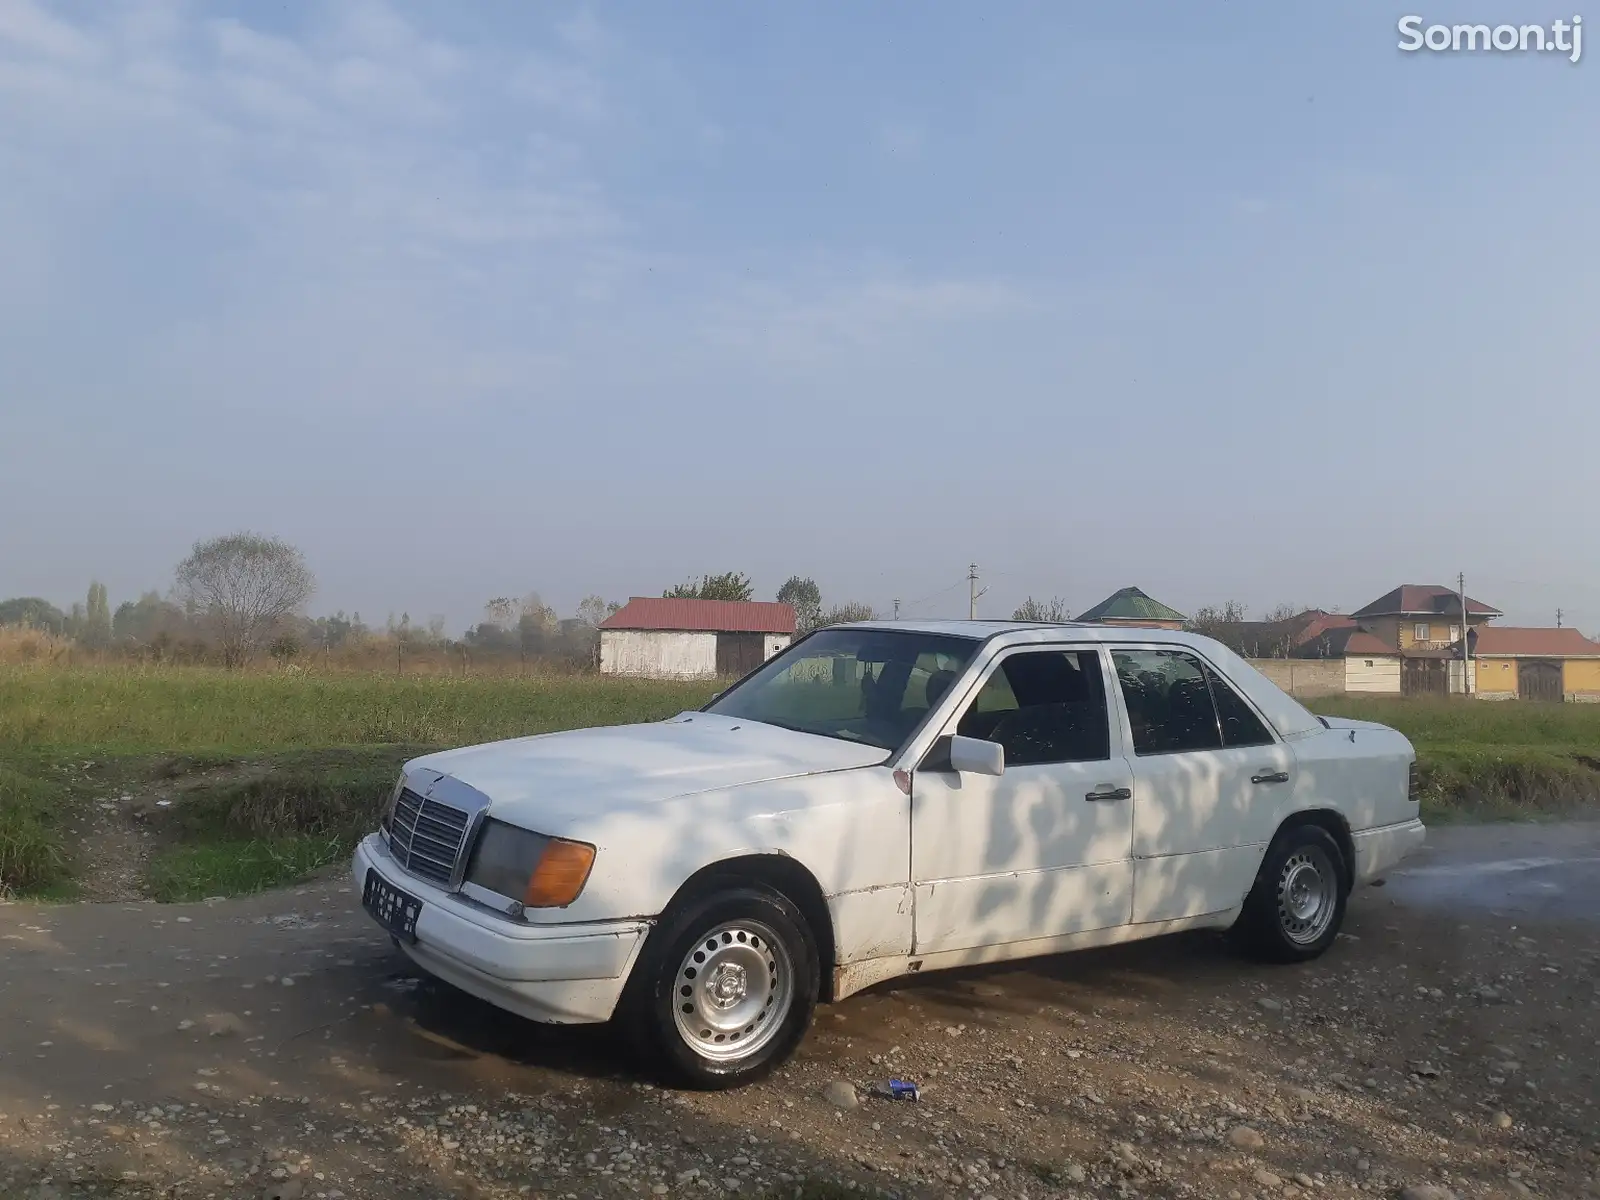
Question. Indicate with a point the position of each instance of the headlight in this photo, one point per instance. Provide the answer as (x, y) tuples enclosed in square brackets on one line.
[(387, 817), (538, 871)]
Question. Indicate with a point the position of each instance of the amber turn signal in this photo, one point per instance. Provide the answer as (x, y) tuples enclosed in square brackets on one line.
[(559, 878)]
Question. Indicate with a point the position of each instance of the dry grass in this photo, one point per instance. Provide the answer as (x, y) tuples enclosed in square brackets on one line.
[(179, 710), (20, 645)]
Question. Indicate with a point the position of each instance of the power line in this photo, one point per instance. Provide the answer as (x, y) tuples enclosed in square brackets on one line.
[(935, 595)]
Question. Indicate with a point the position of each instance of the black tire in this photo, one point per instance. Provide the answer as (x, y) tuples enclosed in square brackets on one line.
[(1278, 923), (761, 941)]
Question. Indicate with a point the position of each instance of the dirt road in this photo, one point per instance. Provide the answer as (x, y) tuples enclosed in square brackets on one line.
[(277, 1047)]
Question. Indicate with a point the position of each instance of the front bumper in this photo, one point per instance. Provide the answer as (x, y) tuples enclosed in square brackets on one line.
[(1379, 851), (558, 974)]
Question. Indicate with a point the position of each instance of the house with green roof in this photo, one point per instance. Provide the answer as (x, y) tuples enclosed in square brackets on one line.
[(1130, 607)]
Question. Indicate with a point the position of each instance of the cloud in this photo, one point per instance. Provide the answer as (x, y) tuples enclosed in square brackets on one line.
[(809, 317), (26, 27), (365, 217)]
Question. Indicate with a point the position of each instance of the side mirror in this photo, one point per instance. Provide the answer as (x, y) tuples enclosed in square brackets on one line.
[(974, 756)]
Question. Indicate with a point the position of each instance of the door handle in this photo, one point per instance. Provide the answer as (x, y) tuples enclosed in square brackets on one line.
[(1275, 777), (1111, 794)]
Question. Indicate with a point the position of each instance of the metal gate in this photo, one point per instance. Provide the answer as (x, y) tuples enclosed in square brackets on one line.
[(739, 653), (1539, 679), (1424, 677)]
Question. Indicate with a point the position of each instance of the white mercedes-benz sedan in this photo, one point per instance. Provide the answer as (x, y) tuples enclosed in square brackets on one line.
[(881, 799)]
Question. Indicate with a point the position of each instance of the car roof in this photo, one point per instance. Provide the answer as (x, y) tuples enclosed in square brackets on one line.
[(1034, 631), (1288, 715)]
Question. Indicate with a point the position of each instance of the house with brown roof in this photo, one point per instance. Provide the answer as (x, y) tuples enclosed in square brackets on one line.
[(1409, 642), (662, 637)]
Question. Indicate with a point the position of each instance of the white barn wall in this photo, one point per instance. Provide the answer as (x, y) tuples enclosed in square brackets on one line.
[(658, 654), (1382, 676)]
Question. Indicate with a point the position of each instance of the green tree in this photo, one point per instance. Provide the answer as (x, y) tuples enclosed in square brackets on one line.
[(33, 612), (97, 617), (141, 620), (244, 586), (284, 648), (731, 585), (1050, 611), (805, 597)]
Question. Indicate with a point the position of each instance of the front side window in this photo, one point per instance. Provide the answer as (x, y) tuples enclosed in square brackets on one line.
[(864, 685), (1421, 633), (1045, 706), (1169, 701)]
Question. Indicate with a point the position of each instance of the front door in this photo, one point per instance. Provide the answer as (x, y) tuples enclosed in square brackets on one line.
[(1043, 849), (1211, 783)]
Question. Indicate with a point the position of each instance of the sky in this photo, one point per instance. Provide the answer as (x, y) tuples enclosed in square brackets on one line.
[(1223, 301)]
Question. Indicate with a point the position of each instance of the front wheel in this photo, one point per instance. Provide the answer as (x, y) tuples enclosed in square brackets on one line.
[(725, 988), (1295, 909)]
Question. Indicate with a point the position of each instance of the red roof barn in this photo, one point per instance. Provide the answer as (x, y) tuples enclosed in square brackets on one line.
[(661, 637)]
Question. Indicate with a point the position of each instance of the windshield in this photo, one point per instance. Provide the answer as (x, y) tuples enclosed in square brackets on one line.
[(865, 685)]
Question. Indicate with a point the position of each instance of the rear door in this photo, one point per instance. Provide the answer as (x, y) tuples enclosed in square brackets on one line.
[(1042, 850), (1211, 782)]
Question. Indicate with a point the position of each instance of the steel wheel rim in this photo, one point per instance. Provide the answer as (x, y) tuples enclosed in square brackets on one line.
[(732, 991), (1308, 894)]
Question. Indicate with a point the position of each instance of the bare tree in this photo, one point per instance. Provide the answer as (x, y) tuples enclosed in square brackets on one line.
[(594, 609), (1213, 621), (501, 612), (1051, 611), (843, 614), (244, 585)]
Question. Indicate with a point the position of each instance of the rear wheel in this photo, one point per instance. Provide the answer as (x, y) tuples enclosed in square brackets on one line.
[(1295, 909), (725, 988)]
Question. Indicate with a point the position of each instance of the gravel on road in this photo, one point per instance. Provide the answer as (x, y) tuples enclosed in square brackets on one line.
[(278, 1047)]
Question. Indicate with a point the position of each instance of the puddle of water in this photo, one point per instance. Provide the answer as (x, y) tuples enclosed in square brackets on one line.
[(1535, 885)]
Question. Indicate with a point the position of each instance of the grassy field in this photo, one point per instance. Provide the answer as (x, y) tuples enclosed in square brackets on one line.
[(266, 778), (1492, 759), (179, 711)]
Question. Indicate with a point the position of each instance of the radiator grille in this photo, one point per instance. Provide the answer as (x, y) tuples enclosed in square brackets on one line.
[(427, 837)]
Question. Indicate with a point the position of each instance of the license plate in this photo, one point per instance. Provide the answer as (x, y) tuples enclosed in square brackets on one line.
[(390, 907)]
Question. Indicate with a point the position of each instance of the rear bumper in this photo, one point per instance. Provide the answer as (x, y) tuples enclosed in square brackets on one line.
[(1379, 851), (559, 974)]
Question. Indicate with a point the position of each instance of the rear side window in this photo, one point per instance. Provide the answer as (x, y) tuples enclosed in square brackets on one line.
[(1169, 701), (1240, 725), (1046, 706)]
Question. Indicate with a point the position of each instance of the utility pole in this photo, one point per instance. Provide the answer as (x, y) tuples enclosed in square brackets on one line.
[(973, 592), (897, 608), (1558, 618), (1466, 660)]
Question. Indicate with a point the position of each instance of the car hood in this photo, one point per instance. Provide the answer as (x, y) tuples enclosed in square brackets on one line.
[(558, 783)]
